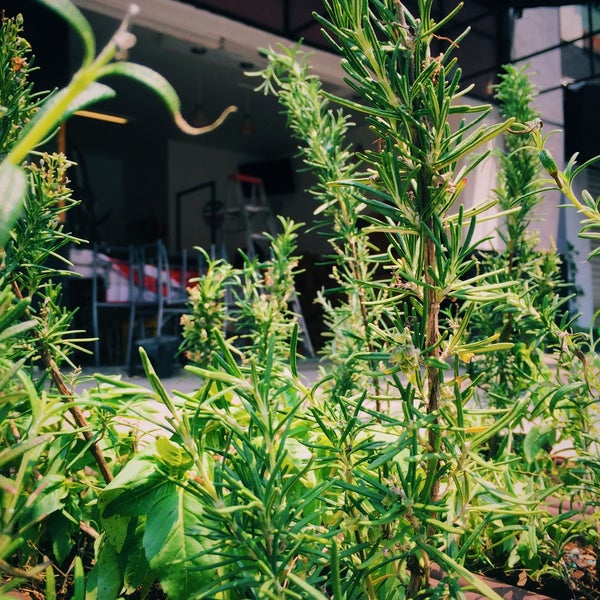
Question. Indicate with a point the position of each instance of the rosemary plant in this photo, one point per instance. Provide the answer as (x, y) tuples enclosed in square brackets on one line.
[(535, 312), (393, 339), (410, 185), (55, 452), (374, 482)]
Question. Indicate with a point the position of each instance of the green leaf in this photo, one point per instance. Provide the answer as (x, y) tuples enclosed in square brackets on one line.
[(11, 312), (51, 109), (173, 455), (79, 580), (12, 452), (158, 84), (133, 491), (136, 570), (451, 566), (308, 589), (50, 499), (95, 92), (73, 16), (61, 529), (13, 184), (172, 554), (148, 77), (116, 528), (469, 145), (535, 439), (156, 383), (104, 580), (16, 329), (50, 584)]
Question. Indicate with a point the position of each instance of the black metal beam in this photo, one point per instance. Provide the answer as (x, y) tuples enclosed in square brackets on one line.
[(523, 4)]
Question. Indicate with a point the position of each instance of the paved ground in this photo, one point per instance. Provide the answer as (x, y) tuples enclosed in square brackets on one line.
[(180, 380), (153, 418)]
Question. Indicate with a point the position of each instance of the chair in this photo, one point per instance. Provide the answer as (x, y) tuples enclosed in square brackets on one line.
[(128, 280), (148, 296), (113, 289), (175, 273)]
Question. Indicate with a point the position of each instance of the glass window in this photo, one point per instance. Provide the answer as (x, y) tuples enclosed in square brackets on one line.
[(580, 24), (536, 30), (572, 19), (594, 29)]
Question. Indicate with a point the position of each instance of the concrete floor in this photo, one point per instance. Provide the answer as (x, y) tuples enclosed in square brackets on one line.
[(153, 417), (181, 380)]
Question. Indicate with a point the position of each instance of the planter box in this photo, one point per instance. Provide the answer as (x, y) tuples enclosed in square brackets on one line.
[(160, 350), (504, 590)]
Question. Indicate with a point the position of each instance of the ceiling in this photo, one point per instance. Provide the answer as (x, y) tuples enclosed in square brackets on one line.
[(293, 19), (205, 47)]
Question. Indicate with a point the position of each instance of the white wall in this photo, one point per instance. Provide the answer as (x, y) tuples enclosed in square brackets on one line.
[(189, 165), (545, 71), (556, 225)]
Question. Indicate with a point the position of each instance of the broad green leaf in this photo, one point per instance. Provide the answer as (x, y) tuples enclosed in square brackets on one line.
[(297, 454), (535, 439), (95, 92), (116, 528), (13, 184), (60, 529), (51, 497), (58, 108), (133, 559), (104, 581), (73, 16), (172, 553), (173, 455), (148, 77), (79, 580), (133, 491)]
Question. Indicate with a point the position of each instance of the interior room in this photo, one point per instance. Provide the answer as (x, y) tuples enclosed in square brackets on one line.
[(142, 180)]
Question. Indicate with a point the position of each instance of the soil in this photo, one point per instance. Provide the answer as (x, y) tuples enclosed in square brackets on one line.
[(584, 571), (581, 583)]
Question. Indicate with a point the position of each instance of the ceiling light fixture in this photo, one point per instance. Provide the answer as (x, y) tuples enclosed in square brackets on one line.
[(199, 118), (99, 116), (247, 126)]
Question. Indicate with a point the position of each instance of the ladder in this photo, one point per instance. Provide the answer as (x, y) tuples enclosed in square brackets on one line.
[(247, 201)]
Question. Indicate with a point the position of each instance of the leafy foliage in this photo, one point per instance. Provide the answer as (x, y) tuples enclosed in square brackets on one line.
[(259, 485), (535, 305), (55, 450)]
